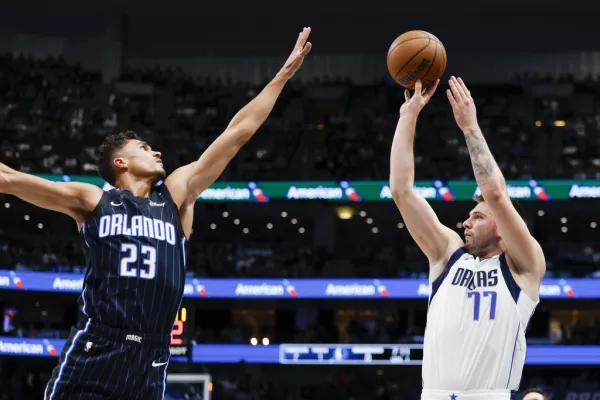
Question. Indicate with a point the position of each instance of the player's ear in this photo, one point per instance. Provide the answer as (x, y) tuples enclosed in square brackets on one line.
[(498, 234), (119, 162)]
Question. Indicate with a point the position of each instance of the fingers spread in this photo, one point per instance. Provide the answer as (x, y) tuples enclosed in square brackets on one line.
[(303, 37), (306, 48)]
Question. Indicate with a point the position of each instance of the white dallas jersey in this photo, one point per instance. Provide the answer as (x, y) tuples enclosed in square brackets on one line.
[(475, 334)]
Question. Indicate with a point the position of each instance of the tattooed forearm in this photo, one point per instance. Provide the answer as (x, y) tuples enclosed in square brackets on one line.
[(484, 166)]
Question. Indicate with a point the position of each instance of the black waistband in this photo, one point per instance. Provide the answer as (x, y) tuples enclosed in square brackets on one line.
[(123, 336)]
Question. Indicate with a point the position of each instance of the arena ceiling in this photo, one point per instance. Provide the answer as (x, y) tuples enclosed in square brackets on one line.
[(267, 26)]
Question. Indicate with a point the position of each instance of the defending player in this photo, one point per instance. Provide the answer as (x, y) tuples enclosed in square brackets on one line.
[(134, 239), (483, 289)]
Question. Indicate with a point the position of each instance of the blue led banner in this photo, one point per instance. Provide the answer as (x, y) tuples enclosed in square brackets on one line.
[(371, 354), (313, 354), (575, 288), (10, 346)]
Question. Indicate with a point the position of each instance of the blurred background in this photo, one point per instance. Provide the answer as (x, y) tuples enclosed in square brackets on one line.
[(299, 241)]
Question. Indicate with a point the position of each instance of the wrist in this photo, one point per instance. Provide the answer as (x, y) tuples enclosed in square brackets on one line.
[(282, 76), (472, 130), (409, 114)]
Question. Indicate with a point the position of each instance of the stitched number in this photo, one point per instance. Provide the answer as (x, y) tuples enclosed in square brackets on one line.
[(477, 299), (131, 257)]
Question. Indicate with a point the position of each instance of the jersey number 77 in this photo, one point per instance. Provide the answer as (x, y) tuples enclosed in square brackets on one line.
[(477, 298)]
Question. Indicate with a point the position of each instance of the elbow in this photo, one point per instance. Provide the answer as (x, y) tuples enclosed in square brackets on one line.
[(400, 192), (400, 186), (240, 134), (6, 177)]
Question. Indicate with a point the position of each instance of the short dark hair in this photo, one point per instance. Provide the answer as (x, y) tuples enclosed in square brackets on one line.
[(107, 150), (533, 390), (479, 199)]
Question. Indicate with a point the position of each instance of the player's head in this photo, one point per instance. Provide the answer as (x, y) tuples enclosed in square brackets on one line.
[(534, 394), (482, 236), (125, 152)]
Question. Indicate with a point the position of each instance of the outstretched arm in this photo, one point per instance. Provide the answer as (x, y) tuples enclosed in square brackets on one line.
[(437, 241), (187, 182), (521, 246), (71, 198)]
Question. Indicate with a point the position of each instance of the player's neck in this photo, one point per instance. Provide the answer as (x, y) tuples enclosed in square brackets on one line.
[(486, 253), (139, 187)]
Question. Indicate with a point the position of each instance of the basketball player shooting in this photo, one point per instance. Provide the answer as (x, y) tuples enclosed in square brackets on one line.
[(134, 238), (484, 288)]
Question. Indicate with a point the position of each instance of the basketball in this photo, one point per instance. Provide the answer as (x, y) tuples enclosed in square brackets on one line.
[(416, 55)]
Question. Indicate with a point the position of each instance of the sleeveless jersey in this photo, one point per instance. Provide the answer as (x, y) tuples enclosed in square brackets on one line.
[(476, 322), (135, 253)]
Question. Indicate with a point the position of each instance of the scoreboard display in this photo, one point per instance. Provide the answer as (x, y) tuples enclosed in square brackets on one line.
[(402, 354), (180, 339), (179, 328)]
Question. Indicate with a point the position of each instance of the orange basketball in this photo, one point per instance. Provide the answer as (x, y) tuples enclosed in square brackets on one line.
[(416, 55)]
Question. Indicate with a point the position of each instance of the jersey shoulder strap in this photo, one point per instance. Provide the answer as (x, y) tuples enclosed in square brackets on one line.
[(98, 210), (164, 192), (458, 253)]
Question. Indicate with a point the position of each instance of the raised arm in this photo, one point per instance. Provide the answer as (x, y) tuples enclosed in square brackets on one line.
[(71, 198), (437, 241), (187, 182), (521, 247)]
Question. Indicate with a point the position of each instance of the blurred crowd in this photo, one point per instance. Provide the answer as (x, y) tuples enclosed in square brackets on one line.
[(284, 258), (53, 115), (263, 382), (584, 331), (256, 382), (244, 324), (322, 327)]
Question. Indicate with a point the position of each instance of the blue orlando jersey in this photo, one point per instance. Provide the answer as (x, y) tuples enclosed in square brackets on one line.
[(135, 252)]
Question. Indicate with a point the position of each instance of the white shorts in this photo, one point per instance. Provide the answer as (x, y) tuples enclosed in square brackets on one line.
[(429, 394)]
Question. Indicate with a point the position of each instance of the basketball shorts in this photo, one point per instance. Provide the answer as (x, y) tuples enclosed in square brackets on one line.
[(429, 394), (100, 363)]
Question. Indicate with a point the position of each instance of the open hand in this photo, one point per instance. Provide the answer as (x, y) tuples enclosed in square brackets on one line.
[(416, 103), (462, 104), (301, 49)]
